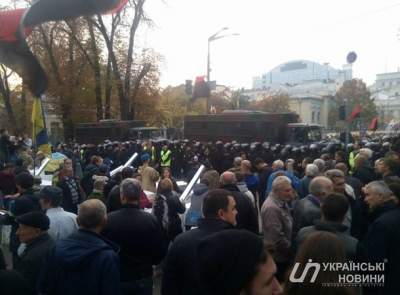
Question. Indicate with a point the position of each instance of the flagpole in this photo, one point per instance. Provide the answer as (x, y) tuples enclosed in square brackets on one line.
[(34, 141)]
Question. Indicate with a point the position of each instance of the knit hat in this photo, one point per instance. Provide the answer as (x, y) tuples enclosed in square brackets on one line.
[(227, 260), (35, 219), (145, 157)]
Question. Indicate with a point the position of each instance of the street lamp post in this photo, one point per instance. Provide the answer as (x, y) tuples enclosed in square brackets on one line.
[(214, 37), (351, 58)]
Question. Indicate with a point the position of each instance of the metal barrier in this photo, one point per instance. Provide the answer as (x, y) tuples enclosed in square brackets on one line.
[(192, 182), (128, 163)]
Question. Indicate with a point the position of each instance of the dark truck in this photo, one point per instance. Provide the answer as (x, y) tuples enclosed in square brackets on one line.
[(98, 132), (251, 126), (114, 130)]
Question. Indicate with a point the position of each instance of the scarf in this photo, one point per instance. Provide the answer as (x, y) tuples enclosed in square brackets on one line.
[(73, 189)]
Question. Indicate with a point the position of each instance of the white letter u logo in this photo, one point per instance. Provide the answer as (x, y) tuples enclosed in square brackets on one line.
[(309, 265)]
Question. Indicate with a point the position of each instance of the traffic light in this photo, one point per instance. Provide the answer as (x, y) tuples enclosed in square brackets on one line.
[(342, 112), (201, 88), (189, 87)]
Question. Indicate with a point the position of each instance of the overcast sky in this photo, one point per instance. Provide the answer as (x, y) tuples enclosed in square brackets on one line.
[(271, 33)]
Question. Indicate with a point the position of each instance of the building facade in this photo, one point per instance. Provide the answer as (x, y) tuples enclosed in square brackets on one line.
[(386, 95), (298, 72), (310, 86)]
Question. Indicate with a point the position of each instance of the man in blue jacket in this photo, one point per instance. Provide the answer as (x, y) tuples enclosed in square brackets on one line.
[(85, 263)]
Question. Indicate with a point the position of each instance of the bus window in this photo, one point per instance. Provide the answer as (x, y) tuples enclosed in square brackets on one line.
[(314, 134)]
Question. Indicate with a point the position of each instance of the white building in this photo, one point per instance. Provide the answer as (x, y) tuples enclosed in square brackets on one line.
[(386, 95), (310, 86)]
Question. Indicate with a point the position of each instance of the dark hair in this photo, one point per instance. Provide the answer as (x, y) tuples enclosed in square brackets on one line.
[(334, 207), (52, 195), (341, 154), (127, 172), (258, 161), (214, 201), (264, 256), (165, 186), (395, 188), (391, 164), (24, 180), (166, 169)]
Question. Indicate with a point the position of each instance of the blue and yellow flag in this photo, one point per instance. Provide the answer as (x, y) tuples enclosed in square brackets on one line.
[(40, 138)]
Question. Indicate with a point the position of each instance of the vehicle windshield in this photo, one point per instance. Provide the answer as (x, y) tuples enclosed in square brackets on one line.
[(305, 134)]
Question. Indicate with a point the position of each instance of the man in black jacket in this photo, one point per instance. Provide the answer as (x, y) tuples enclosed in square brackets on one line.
[(140, 238), (32, 231), (85, 262), (219, 213), (27, 201), (383, 237), (247, 216)]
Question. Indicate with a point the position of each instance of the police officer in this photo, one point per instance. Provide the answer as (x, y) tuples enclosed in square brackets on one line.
[(166, 156)]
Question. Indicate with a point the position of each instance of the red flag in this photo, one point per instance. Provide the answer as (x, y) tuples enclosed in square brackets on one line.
[(355, 113), (9, 24), (118, 8), (16, 54), (374, 124)]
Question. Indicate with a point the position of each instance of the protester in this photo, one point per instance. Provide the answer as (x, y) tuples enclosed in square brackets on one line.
[(333, 211), (311, 171), (383, 236), (84, 263), (32, 231), (277, 222), (62, 223), (208, 181), (149, 175), (180, 273), (140, 238), (234, 262), (247, 217), (319, 247), (73, 193), (307, 210), (167, 208)]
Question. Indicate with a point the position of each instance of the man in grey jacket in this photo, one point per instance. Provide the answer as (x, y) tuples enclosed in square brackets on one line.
[(277, 222), (307, 210), (333, 212)]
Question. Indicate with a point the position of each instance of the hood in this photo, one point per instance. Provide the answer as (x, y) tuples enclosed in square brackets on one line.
[(199, 188), (74, 252)]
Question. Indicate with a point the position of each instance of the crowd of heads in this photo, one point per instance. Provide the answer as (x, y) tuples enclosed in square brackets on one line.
[(275, 202)]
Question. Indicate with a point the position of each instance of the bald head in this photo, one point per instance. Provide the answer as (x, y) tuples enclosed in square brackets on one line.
[(245, 166), (92, 215), (227, 178), (321, 186)]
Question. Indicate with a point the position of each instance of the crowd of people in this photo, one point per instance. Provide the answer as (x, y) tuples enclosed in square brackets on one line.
[(258, 215)]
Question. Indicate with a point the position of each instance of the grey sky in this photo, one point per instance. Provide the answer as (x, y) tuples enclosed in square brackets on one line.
[(271, 32)]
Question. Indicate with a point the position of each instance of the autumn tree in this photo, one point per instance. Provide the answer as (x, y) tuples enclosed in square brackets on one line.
[(356, 93), (5, 93), (278, 103)]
